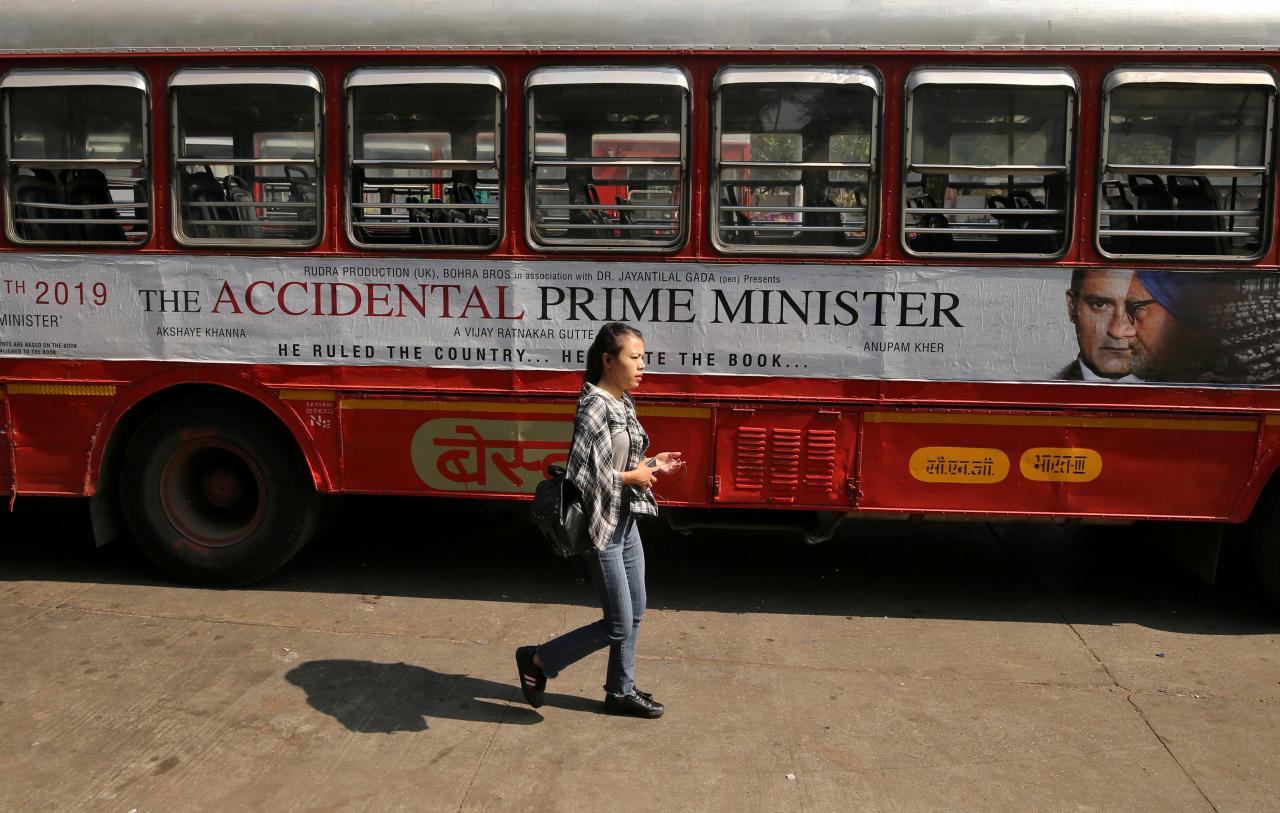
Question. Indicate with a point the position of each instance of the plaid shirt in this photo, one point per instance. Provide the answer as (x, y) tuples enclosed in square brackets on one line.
[(590, 465)]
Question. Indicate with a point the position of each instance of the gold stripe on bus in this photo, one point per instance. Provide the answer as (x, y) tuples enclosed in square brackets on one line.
[(404, 404), (1273, 420), (1068, 421), (701, 413), (62, 389), (308, 395)]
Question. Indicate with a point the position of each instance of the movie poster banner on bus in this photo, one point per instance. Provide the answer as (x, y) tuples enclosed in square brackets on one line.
[(852, 321)]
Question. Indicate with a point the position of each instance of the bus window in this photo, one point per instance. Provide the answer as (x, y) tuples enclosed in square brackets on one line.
[(246, 168), (76, 169), (1186, 163), (988, 162), (608, 158), (423, 163), (794, 157)]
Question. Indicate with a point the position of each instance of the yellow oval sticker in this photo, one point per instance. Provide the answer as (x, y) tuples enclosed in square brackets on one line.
[(959, 464), (1060, 465)]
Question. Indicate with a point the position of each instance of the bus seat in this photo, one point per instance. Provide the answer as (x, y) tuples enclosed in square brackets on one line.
[(424, 236), (929, 242), (88, 187), (237, 191), (441, 237), (38, 188), (1195, 193), (198, 190), (464, 193), (587, 217), (1007, 218), (735, 218), (823, 220), (1033, 243), (1151, 193), (1117, 197), (362, 234)]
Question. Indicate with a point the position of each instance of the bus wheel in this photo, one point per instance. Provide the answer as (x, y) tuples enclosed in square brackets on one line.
[(216, 494)]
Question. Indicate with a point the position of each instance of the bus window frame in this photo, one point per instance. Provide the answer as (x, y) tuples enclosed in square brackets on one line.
[(996, 76), (864, 75), (426, 75), (87, 77), (1172, 75), (608, 75), (295, 76)]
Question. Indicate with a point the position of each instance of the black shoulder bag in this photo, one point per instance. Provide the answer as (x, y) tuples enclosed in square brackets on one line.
[(557, 511)]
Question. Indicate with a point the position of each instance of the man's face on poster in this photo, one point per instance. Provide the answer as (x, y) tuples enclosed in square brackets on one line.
[(1152, 337), (1097, 310)]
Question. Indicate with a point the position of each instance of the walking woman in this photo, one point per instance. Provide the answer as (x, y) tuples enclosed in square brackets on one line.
[(607, 464)]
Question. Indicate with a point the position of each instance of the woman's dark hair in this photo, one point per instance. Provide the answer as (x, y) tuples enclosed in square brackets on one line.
[(608, 340)]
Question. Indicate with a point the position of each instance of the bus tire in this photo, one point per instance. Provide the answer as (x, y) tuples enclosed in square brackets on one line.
[(216, 494)]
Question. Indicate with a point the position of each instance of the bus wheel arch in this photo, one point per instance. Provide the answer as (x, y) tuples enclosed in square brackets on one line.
[(213, 485)]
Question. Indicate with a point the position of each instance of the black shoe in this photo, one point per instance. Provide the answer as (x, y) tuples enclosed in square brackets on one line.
[(633, 705), (652, 702), (533, 681)]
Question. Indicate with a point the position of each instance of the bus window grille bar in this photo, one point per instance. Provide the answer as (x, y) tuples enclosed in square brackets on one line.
[(608, 162), (405, 186), (256, 162), (784, 183), (605, 207), (852, 210), (230, 225), (1168, 233), (83, 207), (911, 210), (1186, 169), (433, 163), (986, 169), (782, 227), (653, 227), (245, 204), (492, 207), (373, 224), (995, 230), (832, 165), (76, 163), (79, 221), (1253, 213)]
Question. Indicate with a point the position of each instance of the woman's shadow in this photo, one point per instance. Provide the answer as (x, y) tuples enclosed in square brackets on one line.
[(378, 698)]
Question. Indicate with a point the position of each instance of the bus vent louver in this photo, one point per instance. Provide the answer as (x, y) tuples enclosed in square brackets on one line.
[(778, 462), (820, 459), (749, 458)]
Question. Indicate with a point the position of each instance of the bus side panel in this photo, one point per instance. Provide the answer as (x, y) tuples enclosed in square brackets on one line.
[(53, 426), (494, 448), (1188, 467)]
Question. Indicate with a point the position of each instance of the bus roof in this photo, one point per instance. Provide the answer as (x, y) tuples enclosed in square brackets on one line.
[(64, 26)]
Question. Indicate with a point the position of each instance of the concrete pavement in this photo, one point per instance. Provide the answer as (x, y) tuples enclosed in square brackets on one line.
[(899, 667)]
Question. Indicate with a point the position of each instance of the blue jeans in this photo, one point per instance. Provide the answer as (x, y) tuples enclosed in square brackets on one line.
[(618, 571)]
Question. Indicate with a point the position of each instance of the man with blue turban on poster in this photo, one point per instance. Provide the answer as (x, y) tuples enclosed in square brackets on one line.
[(1167, 313)]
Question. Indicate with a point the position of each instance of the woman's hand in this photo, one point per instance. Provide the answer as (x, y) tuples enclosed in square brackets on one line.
[(641, 476), (669, 462)]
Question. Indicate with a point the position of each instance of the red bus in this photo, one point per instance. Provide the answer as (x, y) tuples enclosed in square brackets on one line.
[(990, 261)]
